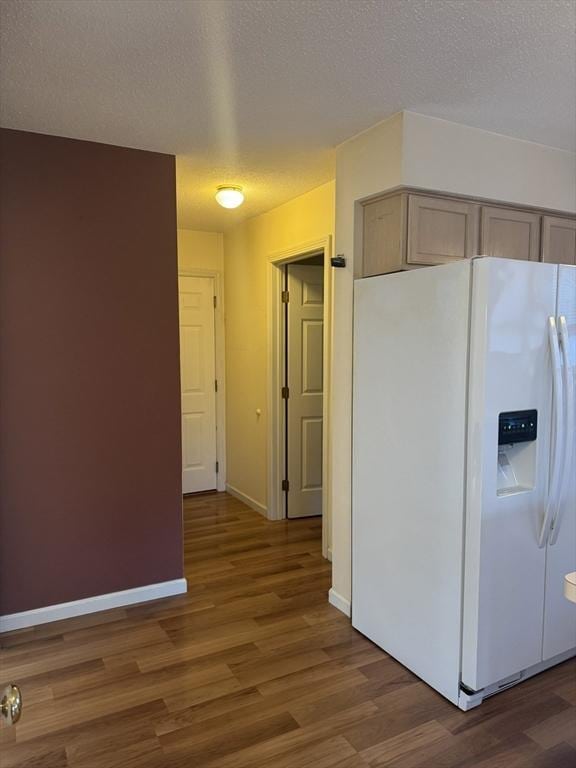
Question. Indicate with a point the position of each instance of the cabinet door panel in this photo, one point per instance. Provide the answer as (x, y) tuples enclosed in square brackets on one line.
[(510, 234), (384, 228), (441, 231), (558, 240)]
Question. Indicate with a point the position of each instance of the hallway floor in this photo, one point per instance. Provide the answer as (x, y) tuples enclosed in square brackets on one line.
[(253, 668)]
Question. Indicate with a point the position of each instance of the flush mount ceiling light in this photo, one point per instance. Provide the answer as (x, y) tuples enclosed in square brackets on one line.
[(229, 197)]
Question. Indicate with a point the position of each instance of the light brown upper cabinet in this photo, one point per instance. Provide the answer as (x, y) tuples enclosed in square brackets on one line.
[(558, 240), (384, 241), (510, 234), (441, 231), (408, 230)]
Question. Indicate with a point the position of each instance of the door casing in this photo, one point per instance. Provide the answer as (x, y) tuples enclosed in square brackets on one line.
[(276, 507)]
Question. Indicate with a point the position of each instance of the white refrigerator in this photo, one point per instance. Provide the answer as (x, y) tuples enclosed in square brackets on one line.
[(464, 471)]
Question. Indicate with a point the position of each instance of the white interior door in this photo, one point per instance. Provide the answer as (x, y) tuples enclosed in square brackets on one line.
[(198, 383), (560, 614), (305, 383)]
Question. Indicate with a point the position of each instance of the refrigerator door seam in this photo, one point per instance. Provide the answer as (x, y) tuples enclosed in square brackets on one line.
[(465, 484)]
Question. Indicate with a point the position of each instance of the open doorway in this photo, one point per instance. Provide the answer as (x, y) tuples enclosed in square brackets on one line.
[(300, 290)]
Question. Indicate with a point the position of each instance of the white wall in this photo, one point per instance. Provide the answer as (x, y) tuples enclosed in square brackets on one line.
[(450, 157), (365, 165), (410, 149)]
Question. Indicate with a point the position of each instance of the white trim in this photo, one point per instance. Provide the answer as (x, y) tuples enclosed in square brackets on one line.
[(248, 500), (275, 500), (219, 318), (339, 602), (275, 496), (13, 621)]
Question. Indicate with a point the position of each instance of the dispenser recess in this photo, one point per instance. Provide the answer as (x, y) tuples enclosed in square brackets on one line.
[(517, 434)]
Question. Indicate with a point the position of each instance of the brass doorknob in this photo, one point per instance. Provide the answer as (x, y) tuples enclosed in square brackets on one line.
[(11, 704)]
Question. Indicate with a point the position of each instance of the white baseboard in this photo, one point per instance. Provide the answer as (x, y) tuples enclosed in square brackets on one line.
[(105, 602), (339, 602), (248, 500)]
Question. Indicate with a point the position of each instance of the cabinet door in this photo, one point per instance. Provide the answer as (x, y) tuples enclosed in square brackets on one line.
[(510, 234), (384, 227), (558, 240), (441, 231)]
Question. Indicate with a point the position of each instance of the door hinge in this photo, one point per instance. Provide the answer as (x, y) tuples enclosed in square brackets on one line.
[(215, 385), (214, 297), (285, 393), (217, 467), (285, 297), (285, 485)]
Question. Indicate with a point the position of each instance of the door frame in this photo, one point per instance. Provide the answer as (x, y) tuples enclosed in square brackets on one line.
[(220, 364), (276, 506)]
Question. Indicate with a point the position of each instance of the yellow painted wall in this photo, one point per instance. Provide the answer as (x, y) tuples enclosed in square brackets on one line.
[(246, 251), (200, 250)]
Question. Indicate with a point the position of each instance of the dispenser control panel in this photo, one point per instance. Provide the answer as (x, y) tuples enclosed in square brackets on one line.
[(517, 427)]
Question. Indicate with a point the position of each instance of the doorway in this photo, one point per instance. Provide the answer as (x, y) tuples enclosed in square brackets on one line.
[(202, 381), (299, 440)]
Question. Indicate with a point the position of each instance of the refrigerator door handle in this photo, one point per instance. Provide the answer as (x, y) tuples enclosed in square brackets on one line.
[(568, 383), (558, 402)]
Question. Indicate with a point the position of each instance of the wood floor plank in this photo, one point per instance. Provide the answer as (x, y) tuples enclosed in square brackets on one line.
[(555, 730), (267, 753), (560, 756), (110, 732), (307, 710), (252, 668), (276, 666), (325, 754), (516, 751), (447, 752), (411, 740), (197, 749)]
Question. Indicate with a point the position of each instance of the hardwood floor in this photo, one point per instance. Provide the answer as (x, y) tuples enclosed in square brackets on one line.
[(253, 668)]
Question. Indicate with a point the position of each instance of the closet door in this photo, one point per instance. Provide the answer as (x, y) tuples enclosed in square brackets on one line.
[(306, 389), (198, 389)]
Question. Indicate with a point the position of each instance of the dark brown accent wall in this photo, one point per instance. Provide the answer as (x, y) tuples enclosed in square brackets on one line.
[(90, 466)]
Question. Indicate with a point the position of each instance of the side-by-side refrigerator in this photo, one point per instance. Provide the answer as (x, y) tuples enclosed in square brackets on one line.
[(464, 471)]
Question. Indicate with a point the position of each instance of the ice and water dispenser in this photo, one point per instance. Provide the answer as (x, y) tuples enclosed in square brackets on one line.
[(517, 432)]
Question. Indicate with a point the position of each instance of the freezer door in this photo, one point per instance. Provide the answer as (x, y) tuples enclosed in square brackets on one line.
[(559, 613), (507, 485), (409, 427)]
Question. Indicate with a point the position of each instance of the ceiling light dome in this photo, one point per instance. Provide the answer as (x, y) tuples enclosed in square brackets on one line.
[(229, 197)]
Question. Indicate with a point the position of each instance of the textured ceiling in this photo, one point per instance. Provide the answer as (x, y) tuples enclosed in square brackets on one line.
[(258, 92)]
